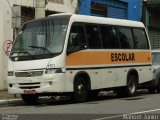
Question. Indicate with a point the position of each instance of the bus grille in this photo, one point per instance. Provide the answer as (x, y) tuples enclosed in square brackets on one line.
[(29, 85), (29, 74)]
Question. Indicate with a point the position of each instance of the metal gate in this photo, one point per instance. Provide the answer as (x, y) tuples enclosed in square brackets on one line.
[(116, 12), (114, 8), (154, 35)]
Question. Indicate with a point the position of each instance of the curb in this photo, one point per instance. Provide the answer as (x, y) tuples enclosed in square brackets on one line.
[(10, 101)]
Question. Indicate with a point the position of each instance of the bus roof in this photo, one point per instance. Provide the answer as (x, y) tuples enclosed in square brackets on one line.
[(109, 21), (94, 19), (100, 20)]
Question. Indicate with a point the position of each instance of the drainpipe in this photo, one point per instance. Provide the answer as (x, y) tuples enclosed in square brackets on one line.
[(146, 12)]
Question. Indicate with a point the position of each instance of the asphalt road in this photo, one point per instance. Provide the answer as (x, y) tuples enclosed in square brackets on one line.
[(143, 106)]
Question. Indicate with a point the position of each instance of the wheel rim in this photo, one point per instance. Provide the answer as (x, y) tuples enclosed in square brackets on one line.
[(81, 89), (132, 86)]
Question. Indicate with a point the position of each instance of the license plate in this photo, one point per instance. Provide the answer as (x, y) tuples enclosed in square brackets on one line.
[(29, 92)]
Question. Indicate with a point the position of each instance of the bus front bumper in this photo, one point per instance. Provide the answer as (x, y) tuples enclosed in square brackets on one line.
[(37, 85)]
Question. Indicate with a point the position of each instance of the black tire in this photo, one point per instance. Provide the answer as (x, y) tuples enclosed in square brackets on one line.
[(130, 89), (29, 99), (158, 90), (158, 86), (152, 90), (80, 90), (93, 94)]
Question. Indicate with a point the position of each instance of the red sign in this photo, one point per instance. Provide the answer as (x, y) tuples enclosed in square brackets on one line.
[(7, 46), (29, 92)]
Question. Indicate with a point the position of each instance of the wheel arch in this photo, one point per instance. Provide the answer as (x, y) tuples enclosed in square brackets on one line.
[(133, 72), (85, 75)]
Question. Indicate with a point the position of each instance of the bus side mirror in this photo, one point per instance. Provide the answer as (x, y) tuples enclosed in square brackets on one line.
[(72, 49)]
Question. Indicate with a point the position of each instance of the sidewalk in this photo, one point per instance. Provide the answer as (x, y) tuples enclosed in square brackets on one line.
[(6, 98), (5, 95)]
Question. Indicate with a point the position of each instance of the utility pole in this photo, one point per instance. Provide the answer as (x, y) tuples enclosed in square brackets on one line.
[(40, 8)]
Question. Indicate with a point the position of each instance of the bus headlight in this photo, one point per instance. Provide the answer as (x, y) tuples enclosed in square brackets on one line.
[(53, 70), (10, 73)]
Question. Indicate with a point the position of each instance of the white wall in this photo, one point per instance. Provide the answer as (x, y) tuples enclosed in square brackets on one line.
[(6, 32), (1, 43), (68, 6)]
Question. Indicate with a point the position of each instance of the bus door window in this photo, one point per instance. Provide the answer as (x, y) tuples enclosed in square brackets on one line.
[(76, 38), (109, 37), (93, 37), (125, 37)]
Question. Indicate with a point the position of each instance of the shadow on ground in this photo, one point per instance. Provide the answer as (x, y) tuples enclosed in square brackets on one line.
[(103, 96)]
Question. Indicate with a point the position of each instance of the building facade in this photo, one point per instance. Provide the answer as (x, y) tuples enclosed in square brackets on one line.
[(15, 13), (123, 9)]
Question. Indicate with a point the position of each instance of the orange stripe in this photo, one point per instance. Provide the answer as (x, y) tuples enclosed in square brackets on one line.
[(107, 57)]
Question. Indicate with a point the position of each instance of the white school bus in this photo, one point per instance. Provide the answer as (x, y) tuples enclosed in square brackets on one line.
[(78, 55)]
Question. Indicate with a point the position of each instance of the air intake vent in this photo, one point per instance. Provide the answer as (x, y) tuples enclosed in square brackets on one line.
[(29, 74), (29, 85)]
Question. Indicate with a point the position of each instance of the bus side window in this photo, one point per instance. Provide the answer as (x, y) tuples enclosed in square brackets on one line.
[(126, 38), (93, 37), (76, 38), (140, 39), (109, 37)]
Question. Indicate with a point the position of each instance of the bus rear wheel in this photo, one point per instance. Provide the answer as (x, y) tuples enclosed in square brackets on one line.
[(131, 87), (80, 90), (29, 99)]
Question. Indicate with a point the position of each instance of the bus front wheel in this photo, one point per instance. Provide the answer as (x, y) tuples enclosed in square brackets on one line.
[(80, 90), (29, 99)]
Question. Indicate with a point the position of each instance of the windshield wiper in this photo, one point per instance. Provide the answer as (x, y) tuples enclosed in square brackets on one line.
[(43, 48)]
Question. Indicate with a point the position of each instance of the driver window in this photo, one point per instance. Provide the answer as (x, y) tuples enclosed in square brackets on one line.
[(76, 38)]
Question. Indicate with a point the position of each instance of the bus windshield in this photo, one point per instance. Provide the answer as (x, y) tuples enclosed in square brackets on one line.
[(39, 39)]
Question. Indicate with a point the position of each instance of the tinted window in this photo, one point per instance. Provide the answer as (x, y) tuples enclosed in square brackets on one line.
[(109, 37), (93, 37), (156, 58), (76, 38), (140, 39), (125, 37)]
